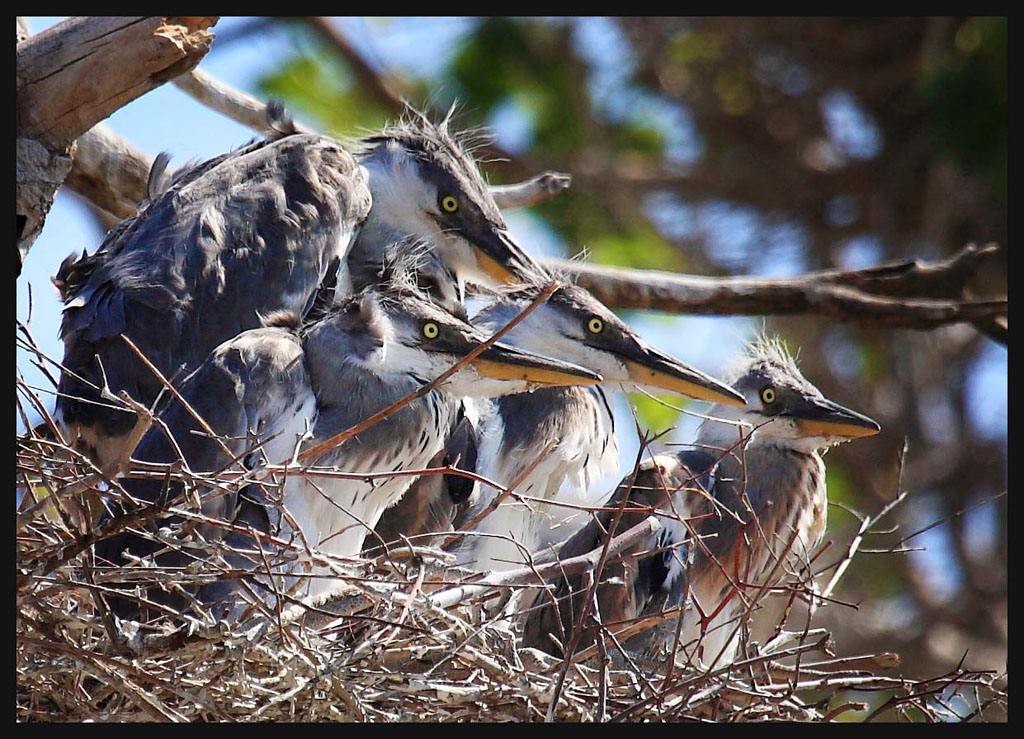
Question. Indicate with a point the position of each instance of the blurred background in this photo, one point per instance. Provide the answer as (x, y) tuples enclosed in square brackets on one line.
[(712, 146)]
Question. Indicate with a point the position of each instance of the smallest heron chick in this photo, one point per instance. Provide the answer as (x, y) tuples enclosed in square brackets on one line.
[(740, 514)]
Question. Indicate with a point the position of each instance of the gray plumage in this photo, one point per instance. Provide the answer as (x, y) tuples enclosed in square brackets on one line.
[(264, 228), (226, 242), (738, 516), (433, 503), (284, 385)]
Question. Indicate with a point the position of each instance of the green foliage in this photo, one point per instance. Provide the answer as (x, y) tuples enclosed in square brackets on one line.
[(324, 88), (689, 47), (638, 139), (838, 482), (531, 64), (657, 416), (640, 246)]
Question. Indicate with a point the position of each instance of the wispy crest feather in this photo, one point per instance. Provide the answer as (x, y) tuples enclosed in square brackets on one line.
[(764, 348)]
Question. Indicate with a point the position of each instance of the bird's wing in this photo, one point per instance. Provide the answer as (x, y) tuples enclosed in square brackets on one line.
[(461, 452), (646, 576), (253, 388), (226, 243)]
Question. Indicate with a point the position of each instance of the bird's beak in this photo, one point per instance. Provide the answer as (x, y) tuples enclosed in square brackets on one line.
[(502, 362), (647, 366), (822, 417), (502, 259)]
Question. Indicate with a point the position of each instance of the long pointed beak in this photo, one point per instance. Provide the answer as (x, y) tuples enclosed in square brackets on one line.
[(822, 417), (502, 362), (647, 366), (501, 258)]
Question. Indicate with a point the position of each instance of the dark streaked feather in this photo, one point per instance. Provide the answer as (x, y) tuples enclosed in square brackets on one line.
[(633, 584), (222, 244)]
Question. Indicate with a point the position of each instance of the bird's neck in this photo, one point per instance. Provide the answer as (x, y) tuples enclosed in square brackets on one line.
[(367, 253)]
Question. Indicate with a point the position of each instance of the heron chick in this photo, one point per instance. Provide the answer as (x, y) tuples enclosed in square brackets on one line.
[(555, 444), (261, 229), (741, 513), (270, 392)]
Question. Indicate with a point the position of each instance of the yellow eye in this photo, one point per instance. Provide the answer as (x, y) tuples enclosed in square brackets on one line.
[(768, 395), (430, 330), (595, 325), (449, 204)]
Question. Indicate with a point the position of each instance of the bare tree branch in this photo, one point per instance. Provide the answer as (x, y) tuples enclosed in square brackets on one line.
[(542, 187), (225, 99), (75, 74), (828, 294), (109, 172)]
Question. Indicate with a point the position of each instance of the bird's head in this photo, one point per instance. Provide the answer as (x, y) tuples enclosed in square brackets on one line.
[(425, 184), (573, 325), (782, 406), (394, 329)]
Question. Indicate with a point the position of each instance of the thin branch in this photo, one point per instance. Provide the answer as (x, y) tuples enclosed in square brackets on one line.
[(228, 101), (536, 190)]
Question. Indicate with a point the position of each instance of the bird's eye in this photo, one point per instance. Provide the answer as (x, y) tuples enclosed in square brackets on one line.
[(595, 325), (768, 395), (449, 204), (430, 330)]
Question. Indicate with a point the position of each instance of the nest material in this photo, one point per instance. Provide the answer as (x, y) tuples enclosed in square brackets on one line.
[(385, 647)]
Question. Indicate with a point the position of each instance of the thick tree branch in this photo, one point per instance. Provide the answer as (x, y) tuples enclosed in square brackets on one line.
[(829, 294), (75, 74)]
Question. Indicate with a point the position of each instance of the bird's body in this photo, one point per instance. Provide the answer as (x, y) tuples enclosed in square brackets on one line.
[(264, 228), (557, 446), (228, 241), (573, 473), (274, 388), (740, 514), (435, 503)]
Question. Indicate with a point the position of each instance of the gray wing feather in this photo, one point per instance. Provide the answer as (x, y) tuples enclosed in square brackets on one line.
[(252, 383), (633, 584), (223, 244)]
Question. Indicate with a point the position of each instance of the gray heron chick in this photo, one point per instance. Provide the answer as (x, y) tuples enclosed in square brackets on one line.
[(289, 386), (261, 229), (739, 515), (558, 442)]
